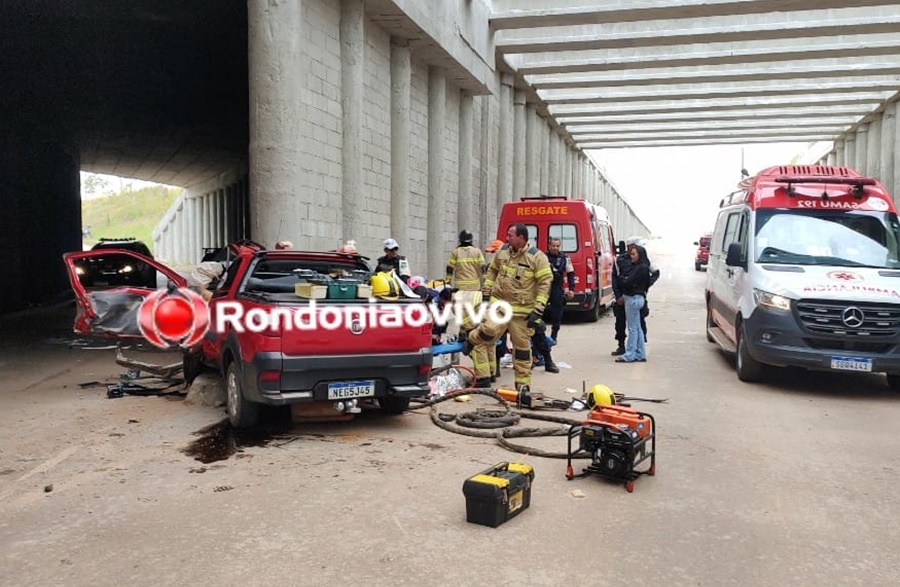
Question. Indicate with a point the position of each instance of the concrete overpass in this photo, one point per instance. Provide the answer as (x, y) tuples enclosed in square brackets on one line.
[(319, 120)]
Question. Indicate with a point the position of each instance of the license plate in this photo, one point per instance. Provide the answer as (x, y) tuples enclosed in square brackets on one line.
[(851, 364), (351, 389)]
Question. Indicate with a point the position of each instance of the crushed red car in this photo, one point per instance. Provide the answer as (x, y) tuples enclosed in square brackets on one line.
[(317, 371)]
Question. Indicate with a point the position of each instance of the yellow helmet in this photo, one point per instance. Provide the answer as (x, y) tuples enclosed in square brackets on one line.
[(600, 395), (383, 285)]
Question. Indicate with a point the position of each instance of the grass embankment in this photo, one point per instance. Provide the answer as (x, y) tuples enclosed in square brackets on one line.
[(127, 214)]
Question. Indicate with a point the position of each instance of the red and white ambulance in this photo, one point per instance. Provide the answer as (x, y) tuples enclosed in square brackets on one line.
[(804, 270), (586, 237)]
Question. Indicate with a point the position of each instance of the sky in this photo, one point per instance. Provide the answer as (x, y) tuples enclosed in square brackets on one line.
[(676, 190)]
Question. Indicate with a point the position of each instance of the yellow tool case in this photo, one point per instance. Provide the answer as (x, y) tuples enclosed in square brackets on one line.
[(497, 494)]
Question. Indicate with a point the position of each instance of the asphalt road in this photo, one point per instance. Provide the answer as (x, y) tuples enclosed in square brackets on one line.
[(791, 482)]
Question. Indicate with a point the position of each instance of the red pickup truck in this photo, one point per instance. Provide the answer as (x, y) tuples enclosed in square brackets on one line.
[(355, 353)]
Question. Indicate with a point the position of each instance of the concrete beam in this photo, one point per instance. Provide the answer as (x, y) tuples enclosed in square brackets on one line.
[(519, 14), (868, 100), (599, 131), (801, 139), (790, 70), (774, 135), (706, 55), (716, 29), (813, 112), (755, 89)]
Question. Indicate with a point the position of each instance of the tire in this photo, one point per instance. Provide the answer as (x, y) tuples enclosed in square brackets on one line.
[(594, 313), (697, 265), (392, 404), (709, 323), (191, 366), (748, 369), (241, 413), (893, 381)]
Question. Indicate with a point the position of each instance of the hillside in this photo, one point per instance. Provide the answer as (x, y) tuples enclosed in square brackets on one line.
[(127, 214)]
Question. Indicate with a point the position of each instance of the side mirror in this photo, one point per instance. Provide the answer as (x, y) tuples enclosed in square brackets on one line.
[(733, 259), (696, 243)]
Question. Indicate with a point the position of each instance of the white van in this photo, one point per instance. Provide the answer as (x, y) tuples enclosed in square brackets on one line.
[(804, 270)]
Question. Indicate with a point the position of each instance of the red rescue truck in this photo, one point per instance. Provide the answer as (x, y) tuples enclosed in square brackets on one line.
[(586, 237)]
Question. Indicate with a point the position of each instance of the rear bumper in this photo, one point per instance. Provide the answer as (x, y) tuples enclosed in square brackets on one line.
[(775, 338), (581, 302), (306, 379)]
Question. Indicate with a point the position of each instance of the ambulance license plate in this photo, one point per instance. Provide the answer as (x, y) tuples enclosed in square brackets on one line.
[(351, 389), (851, 364)]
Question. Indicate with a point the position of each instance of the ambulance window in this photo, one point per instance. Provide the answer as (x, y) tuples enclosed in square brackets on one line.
[(567, 235), (532, 233), (732, 230)]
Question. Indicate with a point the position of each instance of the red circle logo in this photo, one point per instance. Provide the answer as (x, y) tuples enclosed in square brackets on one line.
[(170, 318)]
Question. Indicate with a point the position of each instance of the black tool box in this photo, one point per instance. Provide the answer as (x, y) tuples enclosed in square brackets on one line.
[(497, 494)]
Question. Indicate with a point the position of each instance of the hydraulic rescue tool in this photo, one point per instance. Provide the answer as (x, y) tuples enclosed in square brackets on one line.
[(617, 438), (525, 398)]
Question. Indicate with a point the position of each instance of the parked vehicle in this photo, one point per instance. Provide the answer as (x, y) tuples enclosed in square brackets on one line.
[(586, 237), (702, 257), (804, 270), (318, 371), (113, 268)]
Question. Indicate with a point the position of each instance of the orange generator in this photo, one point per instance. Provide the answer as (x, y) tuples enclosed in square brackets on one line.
[(618, 438)]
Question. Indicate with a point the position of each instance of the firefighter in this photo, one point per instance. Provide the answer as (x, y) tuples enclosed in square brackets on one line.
[(465, 265), (521, 276)]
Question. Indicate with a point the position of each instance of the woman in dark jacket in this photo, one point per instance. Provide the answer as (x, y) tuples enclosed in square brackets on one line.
[(635, 281)]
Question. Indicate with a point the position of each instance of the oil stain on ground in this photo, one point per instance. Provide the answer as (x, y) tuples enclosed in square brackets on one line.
[(220, 441)]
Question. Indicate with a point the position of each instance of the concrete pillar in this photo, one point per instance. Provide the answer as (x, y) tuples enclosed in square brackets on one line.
[(353, 42), (437, 121), (276, 71), (840, 154), (567, 170), (895, 190), (552, 162), (180, 254), (487, 204), (531, 150), (861, 143), (873, 154), (888, 148), (465, 203), (519, 138), (850, 150), (227, 212), (547, 139), (561, 162), (831, 158), (505, 148), (41, 216), (401, 73)]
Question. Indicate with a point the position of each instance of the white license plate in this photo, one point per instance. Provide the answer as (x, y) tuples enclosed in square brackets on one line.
[(351, 389), (851, 364)]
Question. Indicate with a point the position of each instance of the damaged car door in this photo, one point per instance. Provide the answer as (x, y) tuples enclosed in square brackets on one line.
[(112, 312)]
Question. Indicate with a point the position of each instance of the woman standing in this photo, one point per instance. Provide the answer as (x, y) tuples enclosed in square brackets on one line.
[(635, 281)]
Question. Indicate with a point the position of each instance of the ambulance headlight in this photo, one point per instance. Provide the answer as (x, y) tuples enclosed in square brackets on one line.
[(770, 301)]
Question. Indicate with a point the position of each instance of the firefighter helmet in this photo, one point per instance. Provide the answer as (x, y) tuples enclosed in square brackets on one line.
[(383, 285), (600, 395), (465, 237)]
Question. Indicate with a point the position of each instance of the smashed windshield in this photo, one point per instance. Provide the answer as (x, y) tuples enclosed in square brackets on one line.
[(828, 237)]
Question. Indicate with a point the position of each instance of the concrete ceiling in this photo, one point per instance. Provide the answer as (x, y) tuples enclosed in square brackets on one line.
[(700, 72)]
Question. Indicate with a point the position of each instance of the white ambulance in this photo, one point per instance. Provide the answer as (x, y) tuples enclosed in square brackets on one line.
[(804, 270)]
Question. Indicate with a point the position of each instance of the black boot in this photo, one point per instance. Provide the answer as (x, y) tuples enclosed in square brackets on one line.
[(467, 347), (619, 351), (549, 365), (484, 382)]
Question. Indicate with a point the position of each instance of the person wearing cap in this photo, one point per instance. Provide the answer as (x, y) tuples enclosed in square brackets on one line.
[(284, 245), (466, 264), (393, 260)]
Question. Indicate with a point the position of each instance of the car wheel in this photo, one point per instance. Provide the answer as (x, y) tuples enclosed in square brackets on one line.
[(710, 323), (241, 413), (393, 404), (893, 381), (748, 369)]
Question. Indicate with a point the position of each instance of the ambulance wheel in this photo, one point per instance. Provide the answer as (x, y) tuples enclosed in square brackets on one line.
[(893, 381), (241, 413), (594, 313), (392, 404), (629, 486), (696, 265), (748, 369), (709, 324)]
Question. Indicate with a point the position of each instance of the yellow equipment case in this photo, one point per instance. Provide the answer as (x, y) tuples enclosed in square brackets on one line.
[(497, 494)]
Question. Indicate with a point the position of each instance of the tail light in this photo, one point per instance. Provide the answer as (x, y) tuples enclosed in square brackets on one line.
[(424, 370), (269, 379)]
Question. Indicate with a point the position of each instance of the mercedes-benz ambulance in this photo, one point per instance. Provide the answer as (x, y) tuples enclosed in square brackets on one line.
[(804, 270)]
